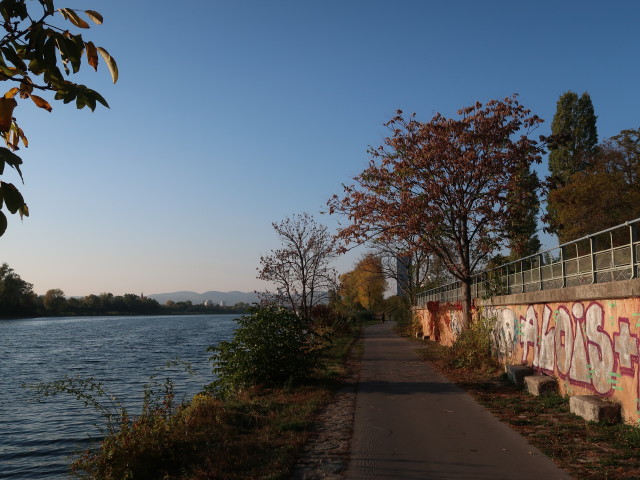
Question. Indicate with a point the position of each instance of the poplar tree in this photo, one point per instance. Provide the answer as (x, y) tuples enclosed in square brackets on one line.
[(572, 148), (574, 135), (524, 206)]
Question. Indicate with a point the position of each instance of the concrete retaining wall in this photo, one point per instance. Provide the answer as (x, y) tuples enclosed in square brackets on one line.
[(587, 337)]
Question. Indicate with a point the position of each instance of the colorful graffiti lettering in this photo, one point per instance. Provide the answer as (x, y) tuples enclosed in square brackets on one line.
[(577, 347), (505, 330), (625, 347), (590, 346)]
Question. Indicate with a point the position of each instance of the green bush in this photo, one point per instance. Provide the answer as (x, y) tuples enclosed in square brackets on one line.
[(363, 316), (400, 311), (272, 346), (330, 321)]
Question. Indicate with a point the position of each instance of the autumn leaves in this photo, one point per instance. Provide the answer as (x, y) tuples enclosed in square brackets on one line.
[(33, 54), (444, 184)]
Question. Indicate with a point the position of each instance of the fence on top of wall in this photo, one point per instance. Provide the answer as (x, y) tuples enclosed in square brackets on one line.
[(607, 256)]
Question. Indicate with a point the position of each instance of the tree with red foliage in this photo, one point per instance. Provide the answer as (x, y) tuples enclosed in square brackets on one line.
[(444, 182)]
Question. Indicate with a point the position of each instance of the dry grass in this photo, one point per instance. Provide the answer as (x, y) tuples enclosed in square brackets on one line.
[(256, 434), (270, 427)]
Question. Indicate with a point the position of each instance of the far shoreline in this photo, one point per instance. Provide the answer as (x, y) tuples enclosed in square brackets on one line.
[(125, 314)]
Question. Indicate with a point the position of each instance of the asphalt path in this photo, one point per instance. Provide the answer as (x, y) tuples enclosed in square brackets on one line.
[(412, 423)]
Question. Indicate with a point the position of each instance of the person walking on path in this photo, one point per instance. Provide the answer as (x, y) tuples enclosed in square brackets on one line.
[(412, 423)]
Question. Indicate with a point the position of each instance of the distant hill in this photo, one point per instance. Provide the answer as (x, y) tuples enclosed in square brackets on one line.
[(229, 298)]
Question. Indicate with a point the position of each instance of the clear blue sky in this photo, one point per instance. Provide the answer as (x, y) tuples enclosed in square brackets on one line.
[(231, 115)]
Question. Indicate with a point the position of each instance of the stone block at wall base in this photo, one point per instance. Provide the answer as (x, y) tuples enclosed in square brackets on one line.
[(594, 409), (540, 384), (516, 373)]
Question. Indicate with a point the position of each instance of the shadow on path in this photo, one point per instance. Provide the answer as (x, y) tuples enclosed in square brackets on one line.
[(412, 423), (408, 388)]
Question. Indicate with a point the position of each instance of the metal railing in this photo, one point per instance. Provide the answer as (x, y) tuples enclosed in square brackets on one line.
[(607, 256)]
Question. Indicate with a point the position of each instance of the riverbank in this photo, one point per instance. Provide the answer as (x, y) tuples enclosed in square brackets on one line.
[(256, 433), (122, 353)]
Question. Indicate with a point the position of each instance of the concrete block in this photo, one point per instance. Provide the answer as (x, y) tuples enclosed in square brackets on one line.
[(540, 384), (516, 373), (594, 409)]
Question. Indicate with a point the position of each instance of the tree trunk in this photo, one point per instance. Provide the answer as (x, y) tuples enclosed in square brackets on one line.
[(466, 302)]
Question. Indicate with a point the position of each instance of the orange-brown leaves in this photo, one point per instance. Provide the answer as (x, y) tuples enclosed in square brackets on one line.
[(443, 182), (6, 112)]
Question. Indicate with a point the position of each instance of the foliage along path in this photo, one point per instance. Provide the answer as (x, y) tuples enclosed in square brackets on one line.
[(412, 423)]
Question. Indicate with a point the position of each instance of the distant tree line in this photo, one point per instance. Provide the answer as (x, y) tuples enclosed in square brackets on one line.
[(17, 299)]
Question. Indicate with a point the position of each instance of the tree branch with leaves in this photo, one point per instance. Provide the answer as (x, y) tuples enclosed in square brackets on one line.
[(445, 181), (34, 52), (413, 269)]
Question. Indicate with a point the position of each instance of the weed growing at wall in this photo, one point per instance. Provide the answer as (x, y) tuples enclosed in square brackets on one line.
[(474, 345), (400, 311)]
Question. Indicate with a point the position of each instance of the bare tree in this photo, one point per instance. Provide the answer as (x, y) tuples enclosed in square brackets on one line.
[(300, 269), (413, 270)]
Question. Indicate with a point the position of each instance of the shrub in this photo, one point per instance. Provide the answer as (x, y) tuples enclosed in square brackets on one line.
[(158, 444), (363, 316), (473, 346), (272, 346), (330, 320), (400, 311), (167, 439)]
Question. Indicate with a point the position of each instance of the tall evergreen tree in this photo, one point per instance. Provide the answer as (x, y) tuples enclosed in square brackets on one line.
[(524, 206), (572, 149), (575, 136)]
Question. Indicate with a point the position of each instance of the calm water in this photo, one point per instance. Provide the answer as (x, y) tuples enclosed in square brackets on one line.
[(38, 439)]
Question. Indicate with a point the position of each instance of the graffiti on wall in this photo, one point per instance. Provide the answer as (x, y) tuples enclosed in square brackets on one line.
[(505, 331), (580, 343), (455, 322), (590, 346)]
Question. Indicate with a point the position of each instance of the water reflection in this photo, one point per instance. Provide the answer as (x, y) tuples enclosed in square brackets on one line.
[(36, 439)]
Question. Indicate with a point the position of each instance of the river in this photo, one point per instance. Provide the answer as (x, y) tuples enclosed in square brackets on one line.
[(37, 440)]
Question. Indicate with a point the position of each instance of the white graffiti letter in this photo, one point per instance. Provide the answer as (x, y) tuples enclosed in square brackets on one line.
[(530, 335), (546, 357), (563, 341), (579, 370), (600, 349)]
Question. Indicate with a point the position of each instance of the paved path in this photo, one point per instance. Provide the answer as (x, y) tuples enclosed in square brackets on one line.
[(412, 423)]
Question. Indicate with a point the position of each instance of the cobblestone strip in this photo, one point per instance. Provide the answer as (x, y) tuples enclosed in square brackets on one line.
[(326, 455)]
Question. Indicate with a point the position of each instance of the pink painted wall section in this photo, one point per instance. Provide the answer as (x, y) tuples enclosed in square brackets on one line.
[(441, 322), (591, 347)]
